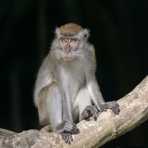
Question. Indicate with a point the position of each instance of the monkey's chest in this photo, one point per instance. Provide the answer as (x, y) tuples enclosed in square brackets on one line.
[(71, 79)]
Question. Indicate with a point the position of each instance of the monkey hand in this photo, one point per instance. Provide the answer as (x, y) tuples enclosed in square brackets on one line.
[(113, 105), (89, 111), (68, 130)]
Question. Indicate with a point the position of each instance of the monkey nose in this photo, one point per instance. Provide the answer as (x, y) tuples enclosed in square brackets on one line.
[(67, 49)]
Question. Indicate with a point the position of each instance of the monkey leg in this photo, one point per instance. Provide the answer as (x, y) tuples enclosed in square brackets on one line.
[(54, 106), (113, 105), (86, 109), (59, 122)]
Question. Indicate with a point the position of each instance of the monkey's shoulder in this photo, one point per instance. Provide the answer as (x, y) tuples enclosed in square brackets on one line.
[(91, 51), (45, 73), (89, 58)]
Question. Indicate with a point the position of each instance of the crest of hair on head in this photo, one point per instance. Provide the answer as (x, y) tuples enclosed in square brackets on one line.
[(72, 29)]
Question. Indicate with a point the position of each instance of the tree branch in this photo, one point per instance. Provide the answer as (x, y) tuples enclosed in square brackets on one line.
[(134, 111)]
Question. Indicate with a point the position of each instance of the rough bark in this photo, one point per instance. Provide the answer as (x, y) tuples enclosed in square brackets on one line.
[(134, 111)]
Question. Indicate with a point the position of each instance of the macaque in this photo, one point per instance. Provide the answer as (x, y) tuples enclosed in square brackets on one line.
[(66, 90)]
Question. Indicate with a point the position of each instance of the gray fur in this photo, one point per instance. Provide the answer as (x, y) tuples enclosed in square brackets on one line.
[(65, 88)]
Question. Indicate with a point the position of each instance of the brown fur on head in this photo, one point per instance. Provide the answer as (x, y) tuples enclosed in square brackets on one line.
[(72, 30)]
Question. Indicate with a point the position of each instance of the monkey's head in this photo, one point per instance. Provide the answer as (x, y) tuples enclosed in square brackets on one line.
[(71, 39)]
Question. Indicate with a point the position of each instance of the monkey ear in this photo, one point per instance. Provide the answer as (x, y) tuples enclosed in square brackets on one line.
[(57, 32), (85, 34)]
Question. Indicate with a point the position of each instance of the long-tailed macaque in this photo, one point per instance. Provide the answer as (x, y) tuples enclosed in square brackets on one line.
[(66, 89)]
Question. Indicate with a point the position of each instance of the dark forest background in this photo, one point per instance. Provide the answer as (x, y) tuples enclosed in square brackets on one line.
[(119, 31)]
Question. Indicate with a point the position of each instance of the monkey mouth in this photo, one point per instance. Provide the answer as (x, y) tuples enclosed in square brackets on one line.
[(67, 59)]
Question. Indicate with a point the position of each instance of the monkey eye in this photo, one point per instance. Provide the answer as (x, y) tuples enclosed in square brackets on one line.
[(74, 40), (85, 35), (62, 39)]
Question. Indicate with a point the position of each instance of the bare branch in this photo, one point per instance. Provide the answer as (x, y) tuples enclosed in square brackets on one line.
[(134, 111)]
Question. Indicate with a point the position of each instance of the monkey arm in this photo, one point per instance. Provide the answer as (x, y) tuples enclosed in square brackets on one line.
[(93, 86), (95, 92), (98, 100), (91, 82)]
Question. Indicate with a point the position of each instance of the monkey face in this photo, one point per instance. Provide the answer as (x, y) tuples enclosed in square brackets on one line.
[(69, 45), (70, 42)]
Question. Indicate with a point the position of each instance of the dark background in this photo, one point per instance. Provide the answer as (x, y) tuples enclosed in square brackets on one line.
[(119, 31)]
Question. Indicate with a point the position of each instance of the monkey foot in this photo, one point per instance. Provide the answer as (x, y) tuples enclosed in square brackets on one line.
[(67, 132), (89, 111), (67, 137), (113, 105), (70, 127)]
